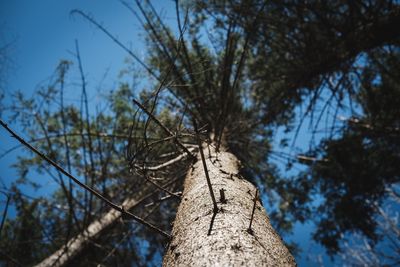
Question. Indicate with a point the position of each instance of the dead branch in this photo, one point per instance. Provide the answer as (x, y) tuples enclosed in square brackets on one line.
[(168, 163), (203, 159), (165, 129), (84, 186)]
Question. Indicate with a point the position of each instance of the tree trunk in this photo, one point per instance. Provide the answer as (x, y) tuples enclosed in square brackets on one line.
[(201, 237), (229, 242), (77, 244)]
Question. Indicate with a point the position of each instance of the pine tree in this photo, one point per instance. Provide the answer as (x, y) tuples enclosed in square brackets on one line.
[(205, 128)]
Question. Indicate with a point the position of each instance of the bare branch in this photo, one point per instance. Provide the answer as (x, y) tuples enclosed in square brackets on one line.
[(168, 163), (249, 230), (84, 186), (165, 129), (104, 30), (203, 159), (163, 199), (150, 180)]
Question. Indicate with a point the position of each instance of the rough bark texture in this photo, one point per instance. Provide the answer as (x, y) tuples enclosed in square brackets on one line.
[(75, 245), (229, 243)]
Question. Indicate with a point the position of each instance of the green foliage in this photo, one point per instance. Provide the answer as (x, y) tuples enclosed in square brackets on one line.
[(91, 148), (360, 165), (20, 240), (295, 49)]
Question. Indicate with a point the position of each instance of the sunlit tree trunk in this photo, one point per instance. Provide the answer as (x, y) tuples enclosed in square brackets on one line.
[(201, 237), (77, 244), (227, 242)]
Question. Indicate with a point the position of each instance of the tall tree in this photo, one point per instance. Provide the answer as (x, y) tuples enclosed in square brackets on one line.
[(263, 59)]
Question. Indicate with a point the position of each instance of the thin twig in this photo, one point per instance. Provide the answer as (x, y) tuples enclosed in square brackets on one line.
[(53, 136), (60, 180), (249, 230), (114, 39), (63, 67), (126, 49), (179, 193), (242, 59), (165, 129), (168, 163), (203, 159), (84, 186), (87, 122), (123, 239), (150, 180)]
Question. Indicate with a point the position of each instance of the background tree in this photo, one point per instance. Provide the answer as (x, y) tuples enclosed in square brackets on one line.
[(358, 170)]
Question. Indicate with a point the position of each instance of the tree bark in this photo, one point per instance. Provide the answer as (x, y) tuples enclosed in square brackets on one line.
[(201, 237), (77, 244), (229, 243)]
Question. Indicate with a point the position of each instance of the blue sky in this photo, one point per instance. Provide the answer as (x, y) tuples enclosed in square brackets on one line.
[(43, 32)]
